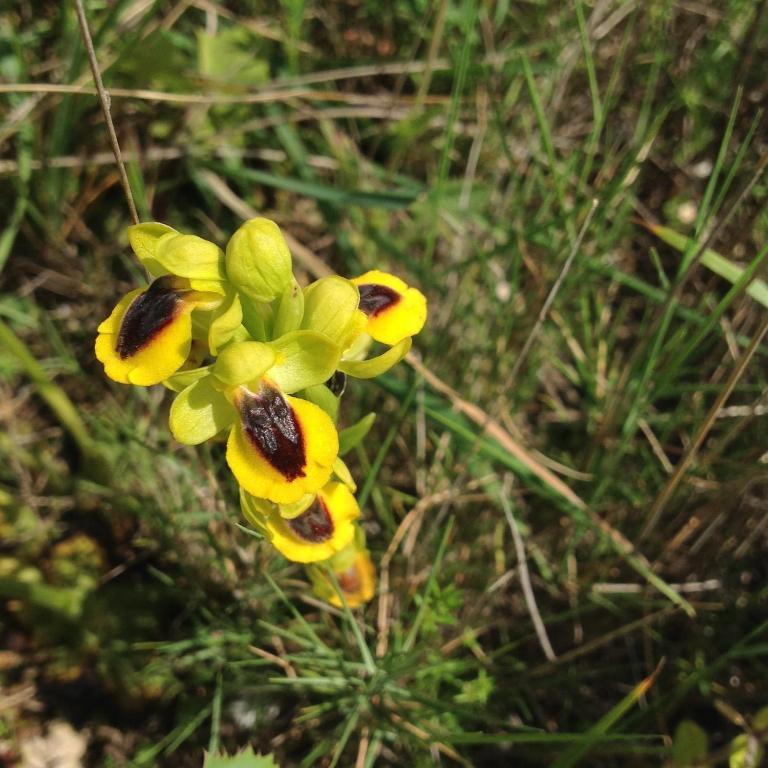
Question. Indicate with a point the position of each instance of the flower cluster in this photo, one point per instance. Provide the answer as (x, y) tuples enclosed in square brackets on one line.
[(253, 356)]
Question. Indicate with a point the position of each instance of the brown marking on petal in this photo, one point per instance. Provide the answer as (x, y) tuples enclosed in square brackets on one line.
[(274, 431), (148, 314), (377, 298), (315, 525), (349, 580)]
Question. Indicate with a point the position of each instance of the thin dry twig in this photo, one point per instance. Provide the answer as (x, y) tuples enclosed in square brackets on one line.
[(104, 99), (264, 96), (552, 294), (525, 576), (282, 663)]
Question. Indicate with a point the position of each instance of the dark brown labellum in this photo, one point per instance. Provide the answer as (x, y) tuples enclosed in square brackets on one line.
[(314, 525), (148, 314), (349, 580), (376, 298), (274, 431)]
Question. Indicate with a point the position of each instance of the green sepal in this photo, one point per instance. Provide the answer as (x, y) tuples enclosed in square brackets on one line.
[(344, 559), (143, 239), (303, 359), (182, 379), (190, 256), (243, 362), (351, 437), (200, 412), (224, 321), (375, 366), (215, 287), (257, 318), (240, 334), (321, 396), (330, 304), (341, 470), (258, 260), (256, 511), (290, 310), (289, 511)]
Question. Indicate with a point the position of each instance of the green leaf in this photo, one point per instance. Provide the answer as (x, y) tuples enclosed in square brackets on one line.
[(190, 256), (245, 759), (351, 437), (375, 366), (258, 260), (243, 362), (290, 310), (689, 747), (303, 359), (393, 199), (757, 289), (330, 304), (200, 412)]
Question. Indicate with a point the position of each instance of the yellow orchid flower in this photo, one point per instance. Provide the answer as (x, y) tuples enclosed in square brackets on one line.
[(282, 447), (148, 335), (394, 310), (323, 526), (354, 572)]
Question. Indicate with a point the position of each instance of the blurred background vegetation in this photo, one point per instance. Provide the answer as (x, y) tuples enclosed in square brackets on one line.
[(507, 158)]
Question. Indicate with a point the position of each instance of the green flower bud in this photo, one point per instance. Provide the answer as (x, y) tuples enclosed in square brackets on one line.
[(258, 260), (330, 307)]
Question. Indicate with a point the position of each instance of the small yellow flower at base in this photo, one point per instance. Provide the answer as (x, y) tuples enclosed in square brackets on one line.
[(394, 310), (354, 572), (321, 531), (282, 447), (148, 336)]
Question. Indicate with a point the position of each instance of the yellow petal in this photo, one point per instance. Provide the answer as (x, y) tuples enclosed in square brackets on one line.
[(358, 582), (394, 310), (147, 337), (354, 572), (282, 447), (321, 531)]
